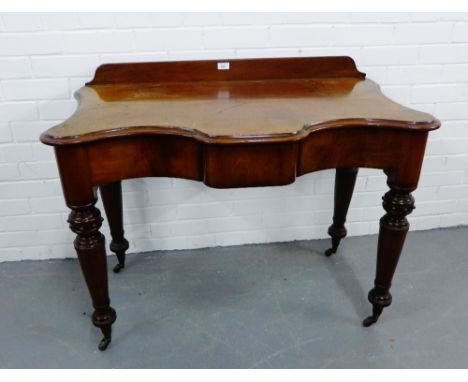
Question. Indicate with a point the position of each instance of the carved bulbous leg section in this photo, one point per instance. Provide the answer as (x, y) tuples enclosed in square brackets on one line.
[(90, 247), (345, 179), (85, 222), (398, 203)]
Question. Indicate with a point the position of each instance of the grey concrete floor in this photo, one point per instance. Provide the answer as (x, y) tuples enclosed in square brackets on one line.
[(255, 306)]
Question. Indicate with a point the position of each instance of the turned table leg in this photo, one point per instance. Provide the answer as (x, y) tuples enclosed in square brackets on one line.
[(345, 179), (112, 199), (398, 203), (85, 221)]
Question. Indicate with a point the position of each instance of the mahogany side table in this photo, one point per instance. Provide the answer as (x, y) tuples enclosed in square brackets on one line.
[(234, 123)]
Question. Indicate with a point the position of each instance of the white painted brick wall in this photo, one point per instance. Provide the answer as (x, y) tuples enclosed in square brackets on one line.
[(420, 59)]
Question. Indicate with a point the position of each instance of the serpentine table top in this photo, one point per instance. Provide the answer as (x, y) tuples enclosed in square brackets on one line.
[(285, 100)]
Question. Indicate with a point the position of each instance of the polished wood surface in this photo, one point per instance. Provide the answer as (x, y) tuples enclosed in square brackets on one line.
[(239, 70), (216, 106), (263, 122)]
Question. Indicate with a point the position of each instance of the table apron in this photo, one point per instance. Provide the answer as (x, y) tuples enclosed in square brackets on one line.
[(244, 165)]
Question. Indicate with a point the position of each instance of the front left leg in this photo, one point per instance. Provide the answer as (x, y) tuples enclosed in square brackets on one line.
[(85, 221), (398, 203)]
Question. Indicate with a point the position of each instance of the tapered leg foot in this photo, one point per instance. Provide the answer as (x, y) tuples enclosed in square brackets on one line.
[(337, 234), (380, 298), (104, 320), (119, 249), (345, 179), (112, 199)]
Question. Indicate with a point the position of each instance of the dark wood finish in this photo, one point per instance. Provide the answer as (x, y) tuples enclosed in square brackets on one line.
[(273, 100), (345, 180), (250, 164), (111, 195), (261, 123), (89, 244), (398, 203), (264, 164), (240, 70), (142, 156), (85, 220)]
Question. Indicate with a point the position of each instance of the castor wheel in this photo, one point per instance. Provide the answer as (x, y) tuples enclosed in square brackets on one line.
[(380, 298), (118, 268), (104, 318), (119, 248), (371, 320), (104, 343)]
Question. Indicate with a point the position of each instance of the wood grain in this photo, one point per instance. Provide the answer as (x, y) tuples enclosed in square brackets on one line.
[(264, 100), (239, 70)]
